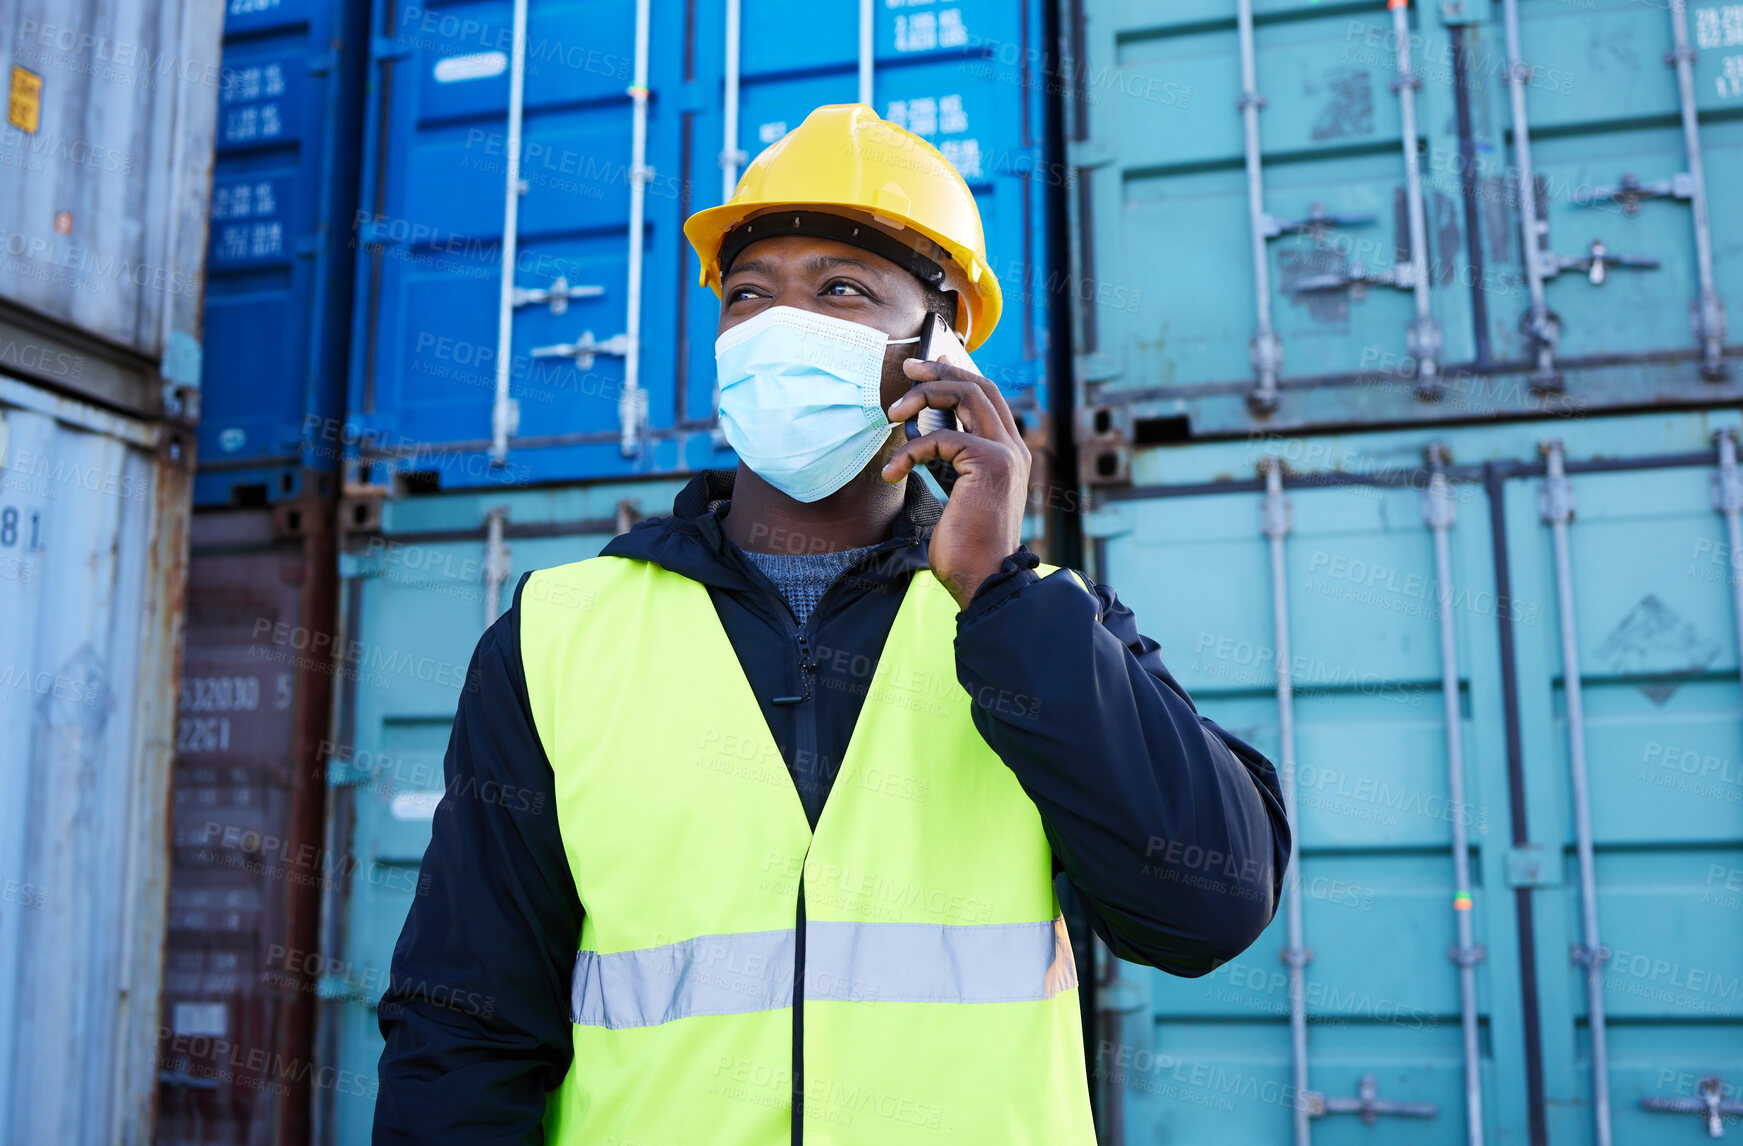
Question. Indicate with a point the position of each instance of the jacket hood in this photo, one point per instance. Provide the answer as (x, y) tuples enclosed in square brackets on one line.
[(692, 542)]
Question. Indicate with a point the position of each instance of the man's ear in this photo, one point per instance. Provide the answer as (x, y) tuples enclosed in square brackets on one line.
[(957, 310)]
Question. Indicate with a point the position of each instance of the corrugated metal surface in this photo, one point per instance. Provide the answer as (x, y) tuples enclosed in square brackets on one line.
[(414, 600), (425, 359), (1653, 606), (278, 289), (1170, 342), (247, 868), (109, 168), (93, 545)]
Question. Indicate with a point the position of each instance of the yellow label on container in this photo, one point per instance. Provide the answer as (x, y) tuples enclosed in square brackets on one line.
[(24, 105)]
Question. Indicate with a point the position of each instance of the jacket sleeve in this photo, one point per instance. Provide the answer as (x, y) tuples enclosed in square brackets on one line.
[(1170, 829), (476, 1014)]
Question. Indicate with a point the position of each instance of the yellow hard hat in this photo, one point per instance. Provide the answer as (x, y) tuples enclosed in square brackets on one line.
[(845, 161)]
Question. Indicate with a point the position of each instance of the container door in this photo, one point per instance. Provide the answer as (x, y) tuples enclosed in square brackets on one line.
[(93, 550), (414, 605), (247, 864), (1209, 1059), (1166, 251), (431, 243), (1603, 110), (278, 269), (1652, 571)]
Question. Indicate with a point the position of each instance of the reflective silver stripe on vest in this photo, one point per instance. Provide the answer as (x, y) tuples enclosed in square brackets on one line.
[(846, 962), (937, 962), (709, 975)]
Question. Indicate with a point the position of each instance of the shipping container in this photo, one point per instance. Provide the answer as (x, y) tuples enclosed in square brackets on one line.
[(93, 549), (1289, 216), (1514, 646), (279, 268), (107, 149), (594, 360), (415, 596), (246, 865)]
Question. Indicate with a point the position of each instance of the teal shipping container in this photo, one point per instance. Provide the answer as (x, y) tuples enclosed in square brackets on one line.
[(414, 597), (1401, 355), (1294, 215), (1498, 670)]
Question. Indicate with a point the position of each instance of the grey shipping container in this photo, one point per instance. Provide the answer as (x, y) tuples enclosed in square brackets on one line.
[(246, 869), (107, 158), (93, 543)]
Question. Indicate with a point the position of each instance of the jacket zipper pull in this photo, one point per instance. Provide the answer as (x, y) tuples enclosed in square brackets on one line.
[(807, 667)]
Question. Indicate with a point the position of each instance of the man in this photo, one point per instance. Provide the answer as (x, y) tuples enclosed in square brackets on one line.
[(809, 753)]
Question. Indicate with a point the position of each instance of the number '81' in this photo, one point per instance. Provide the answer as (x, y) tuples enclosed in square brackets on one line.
[(10, 528)]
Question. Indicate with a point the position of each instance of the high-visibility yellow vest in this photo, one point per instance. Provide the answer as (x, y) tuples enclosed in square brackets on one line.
[(936, 991)]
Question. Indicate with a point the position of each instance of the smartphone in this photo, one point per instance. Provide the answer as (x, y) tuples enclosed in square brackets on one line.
[(938, 343)]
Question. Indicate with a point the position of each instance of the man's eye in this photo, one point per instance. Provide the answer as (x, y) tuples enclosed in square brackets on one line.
[(842, 289), (737, 293)]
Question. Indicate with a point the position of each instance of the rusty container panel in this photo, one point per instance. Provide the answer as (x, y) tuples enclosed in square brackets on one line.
[(93, 549), (107, 149), (246, 866)]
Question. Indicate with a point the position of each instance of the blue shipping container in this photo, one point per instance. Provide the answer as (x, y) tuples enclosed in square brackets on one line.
[(278, 285), (425, 365)]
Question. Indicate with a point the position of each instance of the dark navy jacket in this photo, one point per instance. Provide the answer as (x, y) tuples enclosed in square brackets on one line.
[(1170, 831)]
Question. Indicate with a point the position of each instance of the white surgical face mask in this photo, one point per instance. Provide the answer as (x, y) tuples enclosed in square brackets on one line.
[(801, 398)]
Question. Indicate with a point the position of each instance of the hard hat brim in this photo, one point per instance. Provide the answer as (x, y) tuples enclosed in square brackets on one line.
[(979, 286)]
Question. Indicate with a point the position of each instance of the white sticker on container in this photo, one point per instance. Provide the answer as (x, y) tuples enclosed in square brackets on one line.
[(414, 805), (769, 132), (202, 1019), (232, 438), (477, 66)]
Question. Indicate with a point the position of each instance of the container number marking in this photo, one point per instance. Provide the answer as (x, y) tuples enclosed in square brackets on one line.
[(20, 530), (203, 734), (1721, 26), (220, 694)]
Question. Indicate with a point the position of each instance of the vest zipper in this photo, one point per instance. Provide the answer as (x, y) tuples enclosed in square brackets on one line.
[(799, 1015), (806, 729), (805, 722)]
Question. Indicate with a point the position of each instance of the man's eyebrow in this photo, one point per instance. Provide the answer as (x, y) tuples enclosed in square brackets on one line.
[(816, 264), (751, 267), (822, 262)]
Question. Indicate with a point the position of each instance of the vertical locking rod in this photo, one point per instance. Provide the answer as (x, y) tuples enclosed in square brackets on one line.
[(496, 563), (729, 153), (1275, 524), (1266, 349), (1424, 339), (502, 408), (632, 403), (865, 52), (1728, 500), (1558, 510), (1540, 325), (1440, 511), (1709, 309)]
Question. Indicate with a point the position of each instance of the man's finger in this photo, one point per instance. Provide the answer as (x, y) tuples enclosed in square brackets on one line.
[(926, 370), (945, 445), (968, 400)]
